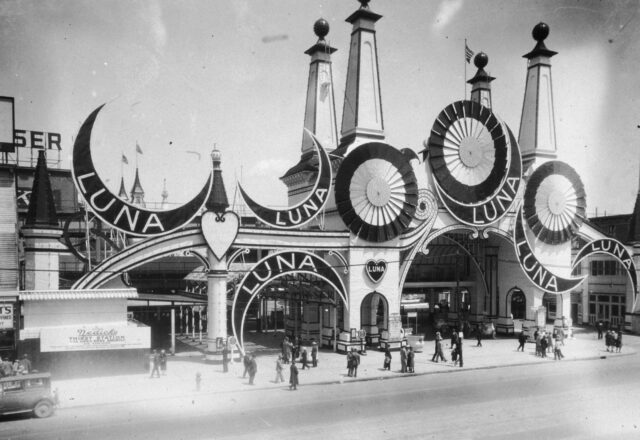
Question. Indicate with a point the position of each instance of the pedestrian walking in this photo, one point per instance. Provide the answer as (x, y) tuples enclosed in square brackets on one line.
[(438, 355), (314, 354), (618, 341), (522, 339), (246, 361), (608, 340), (387, 359), (403, 359), (293, 376), (253, 369), (557, 351), (279, 368), (410, 360), (163, 362), (286, 350), (599, 327), (225, 359), (350, 363), (305, 359), (549, 343), (543, 345), (155, 364), (459, 349), (479, 335), (356, 362), (25, 364)]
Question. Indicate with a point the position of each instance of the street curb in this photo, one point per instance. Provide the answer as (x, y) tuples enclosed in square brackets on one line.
[(342, 382)]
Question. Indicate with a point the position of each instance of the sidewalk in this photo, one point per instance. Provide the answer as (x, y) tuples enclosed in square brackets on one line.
[(182, 369)]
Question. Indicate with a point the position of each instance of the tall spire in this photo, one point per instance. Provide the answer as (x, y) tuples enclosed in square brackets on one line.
[(634, 221), (481, 82), (320, 111), (122, 194), (217, 201), (164, 194), (537, 136), (42, 209), (362, 112), (137, 193)]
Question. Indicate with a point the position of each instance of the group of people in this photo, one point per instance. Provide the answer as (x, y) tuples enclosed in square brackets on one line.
[(353, 361), (19, 366), (547, 342), (158, 361), (613, 341)]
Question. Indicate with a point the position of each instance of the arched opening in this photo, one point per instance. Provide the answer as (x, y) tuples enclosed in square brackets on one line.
[(374, 316), (549, 301), (518, 304)]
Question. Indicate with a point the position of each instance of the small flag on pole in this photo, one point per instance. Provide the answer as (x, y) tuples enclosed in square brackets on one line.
[(468, 53), (125, 160), (138, 149)]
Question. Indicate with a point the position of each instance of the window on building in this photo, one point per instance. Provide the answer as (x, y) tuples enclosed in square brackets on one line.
[(577, 270)]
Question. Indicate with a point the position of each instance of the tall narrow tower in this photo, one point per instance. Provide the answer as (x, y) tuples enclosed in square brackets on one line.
[(319, 116), (481, 82), (362, 111), (42, 233), (137, 193), (537, 136)]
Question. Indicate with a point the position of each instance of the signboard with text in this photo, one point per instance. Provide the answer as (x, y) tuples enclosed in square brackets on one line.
[(6, 316), (98, 337)]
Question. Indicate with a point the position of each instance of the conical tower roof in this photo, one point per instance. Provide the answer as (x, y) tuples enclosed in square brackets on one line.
[(122, 193), (217, 201), (42, 208)]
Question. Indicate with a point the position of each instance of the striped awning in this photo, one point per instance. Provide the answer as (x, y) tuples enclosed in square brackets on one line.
[(56, 295)]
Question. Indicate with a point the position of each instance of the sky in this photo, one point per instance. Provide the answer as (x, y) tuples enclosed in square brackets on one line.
[(179, 77)]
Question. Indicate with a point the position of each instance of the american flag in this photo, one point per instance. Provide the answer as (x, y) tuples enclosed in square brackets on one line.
[(468, 53)]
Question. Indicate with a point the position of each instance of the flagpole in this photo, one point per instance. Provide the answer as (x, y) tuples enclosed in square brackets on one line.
[(464, 96)]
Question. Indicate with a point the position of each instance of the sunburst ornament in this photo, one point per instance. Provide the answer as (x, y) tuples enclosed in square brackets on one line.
[(376, 192), (468, 152), (554, 202)]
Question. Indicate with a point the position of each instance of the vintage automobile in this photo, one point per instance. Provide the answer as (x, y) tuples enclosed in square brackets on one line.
[(27, 393)]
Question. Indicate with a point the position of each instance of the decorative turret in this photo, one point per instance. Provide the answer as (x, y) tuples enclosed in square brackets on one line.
[(137, 193), (481, 82), (42, 209), (362, 112), (537, 136), (320, 113), (319, 117), (122, 194), (164, 195), (217, 201), (42, 234)]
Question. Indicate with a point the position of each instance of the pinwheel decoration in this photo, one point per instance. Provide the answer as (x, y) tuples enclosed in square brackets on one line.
[(468, 152), (554, 202), (376, 192)]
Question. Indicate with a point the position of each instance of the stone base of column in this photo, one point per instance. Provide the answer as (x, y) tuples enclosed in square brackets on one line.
[(213, 357)]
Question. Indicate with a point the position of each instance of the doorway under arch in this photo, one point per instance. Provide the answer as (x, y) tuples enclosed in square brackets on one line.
[(374, 316)]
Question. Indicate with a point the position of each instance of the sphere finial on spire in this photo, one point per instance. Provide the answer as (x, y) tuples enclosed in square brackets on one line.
[(481, 60), (540, 31), (321, 28)]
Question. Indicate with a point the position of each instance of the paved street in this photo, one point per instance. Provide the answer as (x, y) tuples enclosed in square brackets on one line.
[(591, 394)]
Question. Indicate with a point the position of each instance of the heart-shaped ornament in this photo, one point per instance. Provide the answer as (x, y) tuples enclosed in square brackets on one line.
[(220, 231), (375, 269)]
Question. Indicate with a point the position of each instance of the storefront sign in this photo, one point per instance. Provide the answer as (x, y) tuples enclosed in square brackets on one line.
[(375, 270), (99, 337), (6, 316), (116, 212)]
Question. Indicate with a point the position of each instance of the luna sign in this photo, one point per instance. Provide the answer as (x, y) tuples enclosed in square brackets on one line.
[(116, 212), (305, 211)]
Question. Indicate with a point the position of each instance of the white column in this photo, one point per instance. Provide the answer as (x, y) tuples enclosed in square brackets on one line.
[(173, 330), (216, 306)]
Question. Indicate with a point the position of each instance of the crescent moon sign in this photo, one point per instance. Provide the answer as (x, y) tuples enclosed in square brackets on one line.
[(116, 212), (495, 207), (305, 211), (534, 269)]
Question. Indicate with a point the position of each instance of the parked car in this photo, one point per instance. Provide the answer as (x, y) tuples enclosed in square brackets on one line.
[(27, 393)]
